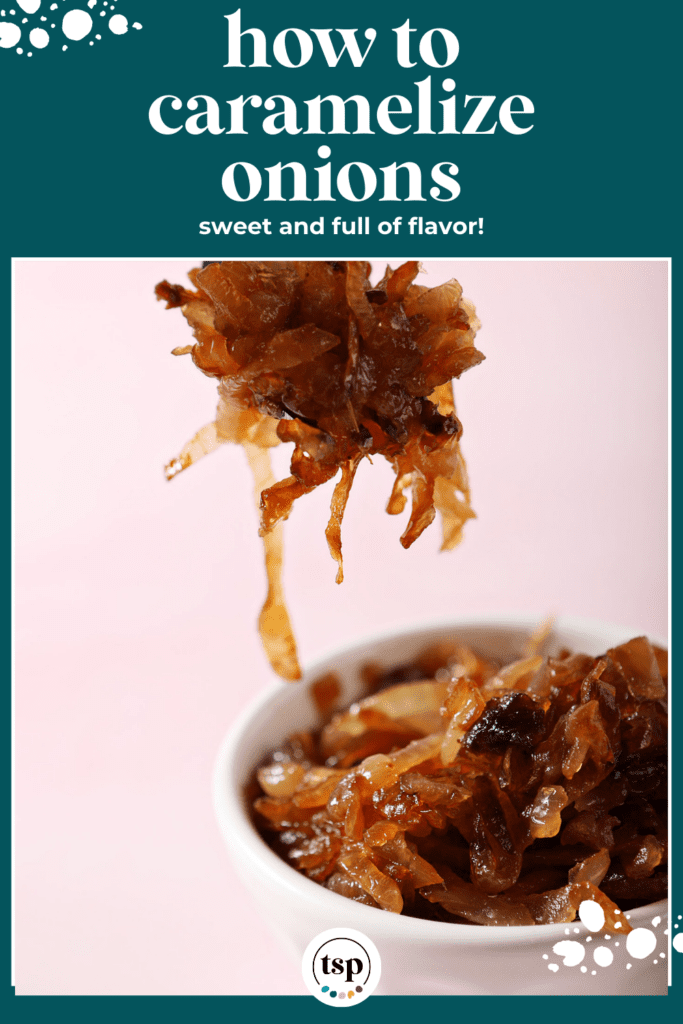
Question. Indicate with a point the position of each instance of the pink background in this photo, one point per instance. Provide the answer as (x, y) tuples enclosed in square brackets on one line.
[(136, 600)]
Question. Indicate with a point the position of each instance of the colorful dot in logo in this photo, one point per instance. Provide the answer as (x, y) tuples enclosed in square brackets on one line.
[(341, 995)]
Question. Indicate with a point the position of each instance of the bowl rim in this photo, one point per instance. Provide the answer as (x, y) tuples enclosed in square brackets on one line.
[(243, 840)]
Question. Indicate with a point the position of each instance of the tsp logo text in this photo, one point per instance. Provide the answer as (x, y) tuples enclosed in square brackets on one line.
[(341, 967), (353, 966)]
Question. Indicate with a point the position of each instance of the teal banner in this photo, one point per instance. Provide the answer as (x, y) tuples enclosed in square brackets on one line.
[(528, 130)]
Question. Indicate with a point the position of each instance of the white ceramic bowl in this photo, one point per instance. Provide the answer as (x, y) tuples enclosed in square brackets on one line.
[(419, 957)]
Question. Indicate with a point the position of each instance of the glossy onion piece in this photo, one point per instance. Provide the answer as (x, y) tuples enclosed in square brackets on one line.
[(340, 497), (515, 676), (585, 735), (463, 705), (466, 901), (545, 816), (421, 871), (638, 662), (451, 493), (203, 442), (360, 868), (641, 856), (280, 778), (433, 798), (498, 838), (310, 353), (317, 786), (343, 884), (414, 705), (560, 906), (593, 869), (275, 628)]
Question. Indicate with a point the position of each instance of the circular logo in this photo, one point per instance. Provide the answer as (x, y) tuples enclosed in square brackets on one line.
[(341, 967)]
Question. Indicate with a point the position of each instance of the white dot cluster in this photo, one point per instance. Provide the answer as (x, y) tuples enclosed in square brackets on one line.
[(640, 943), (76, 24)]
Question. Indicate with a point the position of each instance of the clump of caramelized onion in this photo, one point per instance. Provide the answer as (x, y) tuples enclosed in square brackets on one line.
[(462, 798), (311, 353)]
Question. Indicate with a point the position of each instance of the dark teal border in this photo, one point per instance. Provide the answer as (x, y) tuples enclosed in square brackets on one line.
[(82, 174)]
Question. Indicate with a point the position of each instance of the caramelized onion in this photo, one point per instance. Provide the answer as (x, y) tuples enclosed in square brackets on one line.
[(310, 353), (512, 807)]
